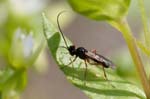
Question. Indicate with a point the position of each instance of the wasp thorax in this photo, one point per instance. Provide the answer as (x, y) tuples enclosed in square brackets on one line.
[(80, 52), (72, 50)]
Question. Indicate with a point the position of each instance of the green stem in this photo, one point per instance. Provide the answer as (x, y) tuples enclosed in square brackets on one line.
[(144, 22), (123, 27)]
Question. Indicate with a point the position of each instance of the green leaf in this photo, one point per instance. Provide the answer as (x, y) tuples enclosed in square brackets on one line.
[(101, 9), (96, 86)]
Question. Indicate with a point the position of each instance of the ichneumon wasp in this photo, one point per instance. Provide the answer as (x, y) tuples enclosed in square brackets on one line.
[(91, 57)]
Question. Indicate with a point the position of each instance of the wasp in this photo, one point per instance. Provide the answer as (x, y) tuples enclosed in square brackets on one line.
[(91, 57)]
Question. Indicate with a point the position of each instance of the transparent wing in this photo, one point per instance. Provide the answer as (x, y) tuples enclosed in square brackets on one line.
[(98, 59)]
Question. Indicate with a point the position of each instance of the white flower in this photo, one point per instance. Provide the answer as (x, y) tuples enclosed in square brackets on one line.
[(23, 49)]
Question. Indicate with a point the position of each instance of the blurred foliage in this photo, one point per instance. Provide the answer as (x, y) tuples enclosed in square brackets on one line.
[(21, 42), (125, 66), (100, 9)]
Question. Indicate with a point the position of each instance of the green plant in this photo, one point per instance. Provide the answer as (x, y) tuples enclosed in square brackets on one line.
[(21, 41), (20, 45), (114, 13)]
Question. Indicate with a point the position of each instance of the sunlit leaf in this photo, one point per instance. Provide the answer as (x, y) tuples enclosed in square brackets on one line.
[(101, 9), (96, 86)]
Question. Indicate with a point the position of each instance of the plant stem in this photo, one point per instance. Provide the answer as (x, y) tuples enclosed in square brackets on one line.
[(123, 27), (144, 22)]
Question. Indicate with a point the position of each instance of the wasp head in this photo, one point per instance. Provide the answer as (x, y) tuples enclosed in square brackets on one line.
[(72, 50)]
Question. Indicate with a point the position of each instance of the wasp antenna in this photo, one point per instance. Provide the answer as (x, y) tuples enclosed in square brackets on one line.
[(58, 16)]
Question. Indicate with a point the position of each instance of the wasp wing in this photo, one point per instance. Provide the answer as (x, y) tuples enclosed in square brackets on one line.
[(98, 59)]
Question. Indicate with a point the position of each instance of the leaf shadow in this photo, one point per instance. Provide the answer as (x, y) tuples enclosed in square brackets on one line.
[(79, 74), (53, 43), (109, 92)]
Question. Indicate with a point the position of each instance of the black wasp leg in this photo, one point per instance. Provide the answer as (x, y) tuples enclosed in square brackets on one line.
[(85, 73), (92, 63), (71, 61), (105, 74), (107, 78), (64, 48)]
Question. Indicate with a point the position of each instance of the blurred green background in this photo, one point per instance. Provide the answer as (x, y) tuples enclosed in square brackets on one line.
[(22, 42)]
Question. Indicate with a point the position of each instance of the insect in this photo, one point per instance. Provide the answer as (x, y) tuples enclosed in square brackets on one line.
[(91, 57)]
